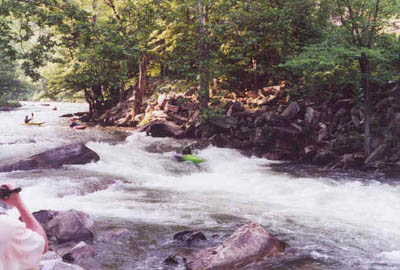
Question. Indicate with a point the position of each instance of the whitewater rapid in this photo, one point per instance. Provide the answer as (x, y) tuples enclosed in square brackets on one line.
[(334, 224)]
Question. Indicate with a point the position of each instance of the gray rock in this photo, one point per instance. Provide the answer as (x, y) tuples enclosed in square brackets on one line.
[(162, 128), (117, 235), (51, 261), (71, 225), (323, 157), (190, 237), (291, 111), (44, 217), (78, 253), (246, 245), (58, 265), (54, 158), (223, 123), (311, 117), (220, 140), (6, 109)]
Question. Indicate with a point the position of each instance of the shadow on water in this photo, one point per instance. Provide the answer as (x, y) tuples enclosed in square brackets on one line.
[(299, 170)]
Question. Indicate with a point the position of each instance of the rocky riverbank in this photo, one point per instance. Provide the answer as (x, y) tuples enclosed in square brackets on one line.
[(73, 240), (268, 124)]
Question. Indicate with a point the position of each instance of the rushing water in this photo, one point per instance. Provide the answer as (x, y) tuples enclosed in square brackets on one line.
[(328, 224)]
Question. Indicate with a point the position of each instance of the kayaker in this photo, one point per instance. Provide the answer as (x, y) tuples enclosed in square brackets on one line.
[(73, 123), (22, 243), (27, 119), (187, 156)]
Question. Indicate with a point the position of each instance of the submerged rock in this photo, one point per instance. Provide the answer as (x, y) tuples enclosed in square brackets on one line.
[(54, 158), (117, 235), (67, 115), (190, 237), (247, 244)]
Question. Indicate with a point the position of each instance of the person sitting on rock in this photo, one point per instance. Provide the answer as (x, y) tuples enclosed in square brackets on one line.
[(73, 123), (21, 243)]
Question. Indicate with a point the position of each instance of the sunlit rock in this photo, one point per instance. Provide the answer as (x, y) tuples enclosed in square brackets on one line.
[(54, 158), (247, 244)]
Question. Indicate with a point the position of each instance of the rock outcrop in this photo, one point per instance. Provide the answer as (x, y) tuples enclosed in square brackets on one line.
[(54, 158), (266, 123)]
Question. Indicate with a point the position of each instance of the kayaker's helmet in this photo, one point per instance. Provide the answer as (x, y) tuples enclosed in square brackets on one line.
[(72, 119), (179, 157)]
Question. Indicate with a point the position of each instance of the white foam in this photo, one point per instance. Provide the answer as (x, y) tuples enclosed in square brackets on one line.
[(354, 219)]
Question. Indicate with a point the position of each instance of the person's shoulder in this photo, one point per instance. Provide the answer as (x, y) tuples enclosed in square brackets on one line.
[(7, 222)]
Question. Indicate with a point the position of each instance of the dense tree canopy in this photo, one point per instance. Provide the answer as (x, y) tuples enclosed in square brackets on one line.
[(103, 49)]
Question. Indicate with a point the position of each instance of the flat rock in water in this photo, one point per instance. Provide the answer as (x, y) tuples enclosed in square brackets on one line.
[(54, 158), (247, 244)]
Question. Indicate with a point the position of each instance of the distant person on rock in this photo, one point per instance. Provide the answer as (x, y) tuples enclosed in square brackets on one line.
[(22, 243), (73, 123)]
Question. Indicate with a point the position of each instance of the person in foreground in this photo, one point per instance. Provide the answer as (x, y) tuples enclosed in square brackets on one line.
[(21, 243)]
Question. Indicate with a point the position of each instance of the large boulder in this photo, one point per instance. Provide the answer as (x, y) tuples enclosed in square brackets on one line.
[(246, 245), (223, 123), (162, 128), (71, 225), (64, 226), (69, 154)]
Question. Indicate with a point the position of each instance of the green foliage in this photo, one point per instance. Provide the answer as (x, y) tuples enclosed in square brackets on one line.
[(329, 67), (212, 112), (93, 49)]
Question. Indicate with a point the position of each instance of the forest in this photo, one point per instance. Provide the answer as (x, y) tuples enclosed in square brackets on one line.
[(106, 51)]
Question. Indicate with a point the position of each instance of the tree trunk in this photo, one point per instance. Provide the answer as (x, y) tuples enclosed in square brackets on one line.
[(89, 100), (365, 84), (98, 99), (141, 91), (202, 11), (121, 91)]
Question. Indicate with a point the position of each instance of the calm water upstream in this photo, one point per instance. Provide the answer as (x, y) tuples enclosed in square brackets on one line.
[(329, 224)]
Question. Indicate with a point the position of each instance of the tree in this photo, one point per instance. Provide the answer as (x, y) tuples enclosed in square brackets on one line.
[(350, 46)]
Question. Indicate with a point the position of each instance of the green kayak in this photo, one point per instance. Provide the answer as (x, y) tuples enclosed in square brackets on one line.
[(192, 158)]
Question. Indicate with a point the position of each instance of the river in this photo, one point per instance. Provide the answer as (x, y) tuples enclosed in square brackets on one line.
[(329, 224)]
